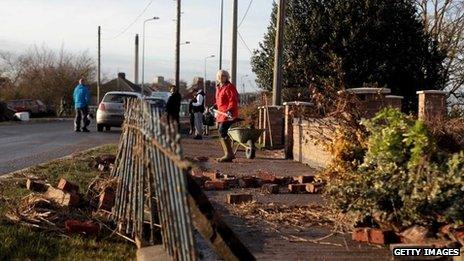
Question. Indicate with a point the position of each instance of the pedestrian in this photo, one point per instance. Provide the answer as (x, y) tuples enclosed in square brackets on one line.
[(191, 117), (173, 107), (198, 107), (81, 99), (227, 112)]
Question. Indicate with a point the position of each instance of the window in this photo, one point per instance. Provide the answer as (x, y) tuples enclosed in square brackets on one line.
[(117, 98)]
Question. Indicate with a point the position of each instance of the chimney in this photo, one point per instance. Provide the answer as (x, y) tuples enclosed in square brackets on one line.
[(136, 64), (122, 75)]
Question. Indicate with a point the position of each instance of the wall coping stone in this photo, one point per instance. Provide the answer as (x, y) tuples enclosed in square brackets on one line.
[(432, 92), (297, 103), (394, 97), (366, 90)]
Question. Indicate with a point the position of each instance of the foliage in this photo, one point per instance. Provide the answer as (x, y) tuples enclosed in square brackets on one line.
[(403, 179), (369, 41)]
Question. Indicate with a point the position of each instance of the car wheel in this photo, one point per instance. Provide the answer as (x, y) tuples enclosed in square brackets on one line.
[(99, 127), (108, 128)]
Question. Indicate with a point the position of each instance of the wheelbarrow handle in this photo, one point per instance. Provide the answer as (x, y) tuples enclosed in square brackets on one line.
[(222, 113)]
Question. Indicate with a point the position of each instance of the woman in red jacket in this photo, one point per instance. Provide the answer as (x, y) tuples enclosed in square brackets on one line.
[(227, 105)]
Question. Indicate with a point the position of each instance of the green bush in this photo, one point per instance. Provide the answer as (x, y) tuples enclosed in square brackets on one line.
[(404, 178)]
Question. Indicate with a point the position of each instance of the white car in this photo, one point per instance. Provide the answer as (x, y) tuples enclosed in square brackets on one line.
[(110, 112), (161, 95)]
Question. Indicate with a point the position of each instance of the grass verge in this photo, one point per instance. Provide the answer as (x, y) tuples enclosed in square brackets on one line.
[(21, 242)]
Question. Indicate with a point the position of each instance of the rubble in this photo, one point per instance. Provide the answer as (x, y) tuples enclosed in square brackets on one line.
[(68, 186), (87, 228), (374, 236), (270, 189), (61, 197), (239, 198), (36, 185)]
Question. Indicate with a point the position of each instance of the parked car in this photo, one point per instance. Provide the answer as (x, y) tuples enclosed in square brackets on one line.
[(34, 107), (110, 112), (184, 117), (161, 95), (156, 103)]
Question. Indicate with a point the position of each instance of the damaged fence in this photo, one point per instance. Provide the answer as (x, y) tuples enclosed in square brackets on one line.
[(156, 198)]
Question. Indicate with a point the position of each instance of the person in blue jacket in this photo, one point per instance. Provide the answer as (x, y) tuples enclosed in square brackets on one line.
[(81, 99)]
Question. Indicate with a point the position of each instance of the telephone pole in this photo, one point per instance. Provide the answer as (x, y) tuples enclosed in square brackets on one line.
[(136, 62), (278, 59), (178, 45), (233, 66), (220, 37), (99, 65)]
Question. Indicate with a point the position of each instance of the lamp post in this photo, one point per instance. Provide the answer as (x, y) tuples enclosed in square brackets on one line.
[(243, 83), (143, 53), (204, 80)]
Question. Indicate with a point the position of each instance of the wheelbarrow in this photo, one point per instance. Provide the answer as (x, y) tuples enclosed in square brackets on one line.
[(245, 137)]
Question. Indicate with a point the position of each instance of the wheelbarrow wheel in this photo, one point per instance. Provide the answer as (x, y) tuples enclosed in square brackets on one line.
[(250, 151)]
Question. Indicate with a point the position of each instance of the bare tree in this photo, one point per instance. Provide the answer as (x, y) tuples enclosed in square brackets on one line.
[(444, 21)]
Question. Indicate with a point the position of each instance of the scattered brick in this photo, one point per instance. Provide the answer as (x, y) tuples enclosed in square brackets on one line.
[(239, 198), (78, 227), (215, 185), (285, 181), (231, 182), (313, 188), (374, 236), (106, 201), (36, 185), (266, 177), (108, 159), (102, 167), (270, 189), (247, 182), (297, 188), (67, 186), (360, 235), (212, 175), (304, 179), (61, 197)]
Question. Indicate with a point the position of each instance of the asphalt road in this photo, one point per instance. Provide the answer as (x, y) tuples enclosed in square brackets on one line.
[(28, 144)]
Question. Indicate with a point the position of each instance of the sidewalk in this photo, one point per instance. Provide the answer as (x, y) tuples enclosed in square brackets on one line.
[(265, 241)]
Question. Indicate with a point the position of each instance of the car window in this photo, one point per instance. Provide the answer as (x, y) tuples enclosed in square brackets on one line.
[(157, 102), (117, 98)]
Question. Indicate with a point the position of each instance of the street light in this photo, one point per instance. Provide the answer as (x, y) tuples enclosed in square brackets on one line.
[(243, 83), (184, 43), (204, 80), (143, 53)]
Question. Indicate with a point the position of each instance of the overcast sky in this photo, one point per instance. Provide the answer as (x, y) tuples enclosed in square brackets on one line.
[(73, 23)]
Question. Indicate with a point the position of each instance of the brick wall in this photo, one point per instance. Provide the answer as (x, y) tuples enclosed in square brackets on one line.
[(292, 110), (394, 101), (307, 149), (432, 105), (277, 122)]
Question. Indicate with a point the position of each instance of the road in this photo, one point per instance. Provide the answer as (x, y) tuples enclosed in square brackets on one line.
[(28, 144)]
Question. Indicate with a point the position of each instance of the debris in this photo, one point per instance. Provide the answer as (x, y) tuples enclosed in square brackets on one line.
[(415, 234), (247, 182), (102, 167), (374, 236), (36, 185), (297, 188), (107, 159), (304, 179), (270, 189), (68, 186), (313, 188), (77, 227), (212, 175), (231, 182), (239, 198), (216, 185), (107, 199), (266, 177), (62, 198)]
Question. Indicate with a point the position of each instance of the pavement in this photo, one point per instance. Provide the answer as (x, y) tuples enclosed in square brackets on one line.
[(27, 144)]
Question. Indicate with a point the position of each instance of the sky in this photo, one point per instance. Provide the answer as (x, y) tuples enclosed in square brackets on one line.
[(73, 24)]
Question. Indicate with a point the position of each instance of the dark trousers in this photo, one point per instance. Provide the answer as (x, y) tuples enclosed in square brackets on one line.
[(173, 118), (192, 122), (224, 128), (81, 115)]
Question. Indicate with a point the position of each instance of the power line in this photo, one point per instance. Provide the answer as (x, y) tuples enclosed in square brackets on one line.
[(135, 21), (246, 13), (244, 43)]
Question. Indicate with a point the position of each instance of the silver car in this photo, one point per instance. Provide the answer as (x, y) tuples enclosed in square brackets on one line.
[(110, 112)]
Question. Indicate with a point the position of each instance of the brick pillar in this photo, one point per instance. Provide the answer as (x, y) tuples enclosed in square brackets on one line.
[(432, 105), (276, 118), (290, 109), (394, 101), (371, 100)]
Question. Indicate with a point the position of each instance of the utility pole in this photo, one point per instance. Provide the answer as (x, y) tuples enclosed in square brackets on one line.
[(178, 45), (278, 59), (136, 62), (220, 37), (99, 65), (233, 65)]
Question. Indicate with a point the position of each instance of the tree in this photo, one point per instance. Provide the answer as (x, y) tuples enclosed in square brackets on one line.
[(353, 43)]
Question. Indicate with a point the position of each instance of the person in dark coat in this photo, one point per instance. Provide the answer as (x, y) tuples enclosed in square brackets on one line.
[(192, 117), (173, 106)]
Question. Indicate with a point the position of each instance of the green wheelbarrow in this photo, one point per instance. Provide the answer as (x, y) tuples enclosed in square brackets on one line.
[(245, 137)]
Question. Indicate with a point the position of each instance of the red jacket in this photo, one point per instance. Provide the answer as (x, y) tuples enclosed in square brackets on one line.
[(226, 100)]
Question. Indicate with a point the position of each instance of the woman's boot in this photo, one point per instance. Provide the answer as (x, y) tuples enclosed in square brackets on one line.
[(228, 151)]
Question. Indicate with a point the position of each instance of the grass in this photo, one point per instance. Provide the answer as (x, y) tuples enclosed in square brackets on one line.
[(21, 242)]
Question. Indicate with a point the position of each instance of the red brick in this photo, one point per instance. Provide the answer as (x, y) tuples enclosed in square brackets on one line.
[(78, 227), (374, 236), (266, 177), (231, 182), (247, 182), (102, 167), (216, 185), (36, 185), (415, 234), (212, 175), (107, 159), (270, 189), (239, 198), (360, 235), (304, 179), (62, 198), (67, 186), (297, 188), (106, 201), (284, 181), (313, 188)]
